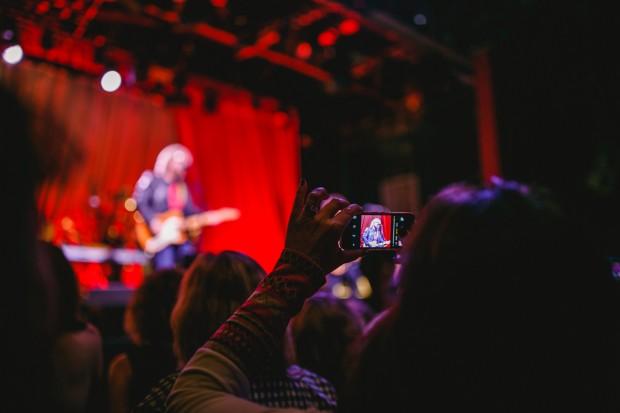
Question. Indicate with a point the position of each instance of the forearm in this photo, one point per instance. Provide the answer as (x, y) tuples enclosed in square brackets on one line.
[(213, 383)]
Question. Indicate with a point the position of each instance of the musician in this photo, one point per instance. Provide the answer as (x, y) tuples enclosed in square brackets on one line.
[(373, 234), (162, 190)]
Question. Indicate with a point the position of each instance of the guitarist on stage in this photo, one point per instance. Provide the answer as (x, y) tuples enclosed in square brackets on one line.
[(164, 190)]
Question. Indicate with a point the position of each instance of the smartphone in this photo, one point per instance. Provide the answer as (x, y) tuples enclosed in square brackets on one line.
[(377, 231)]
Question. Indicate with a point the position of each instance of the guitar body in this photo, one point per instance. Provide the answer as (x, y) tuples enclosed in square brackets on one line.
[(176, 229)]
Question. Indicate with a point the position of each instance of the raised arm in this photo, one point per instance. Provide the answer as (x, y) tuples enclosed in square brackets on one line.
[(216, 379)]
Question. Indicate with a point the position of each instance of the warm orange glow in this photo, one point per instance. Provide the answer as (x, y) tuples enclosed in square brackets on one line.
[(413, 101)]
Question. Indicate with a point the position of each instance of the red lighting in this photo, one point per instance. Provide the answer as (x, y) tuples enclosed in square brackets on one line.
[(99, 41), (280, 119), (219, 3), (43, 7), (65, 14), (269, 39), (328, 38), (304, 50), (59, 4), (348, 27)]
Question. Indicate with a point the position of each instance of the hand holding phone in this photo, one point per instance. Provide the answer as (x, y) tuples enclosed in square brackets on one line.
[(377, 231)]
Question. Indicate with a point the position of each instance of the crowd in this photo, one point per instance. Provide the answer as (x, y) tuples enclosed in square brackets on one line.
[(501, 305)]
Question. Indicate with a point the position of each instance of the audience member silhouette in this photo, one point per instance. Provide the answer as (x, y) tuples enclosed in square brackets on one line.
[(212, 289), (28, 305), (151, 357), (323, 332), (77, 350), (504, 308)]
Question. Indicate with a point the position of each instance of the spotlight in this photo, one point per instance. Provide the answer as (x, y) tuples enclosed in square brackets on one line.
[(131, 205), (303, 50), (348, 27), (219, 3), (8, 35), (111, 81), (13, 54), (328, 38)]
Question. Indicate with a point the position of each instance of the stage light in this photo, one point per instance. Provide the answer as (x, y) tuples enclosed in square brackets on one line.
[(13, 54), (219, 3), (419, 19), (364, 290), (342, 291), (111, 81), (348, 27), (303, 50), (65, 14), (131, 205), (8, 35), (43, 7), (413, 101), (328, 38), (99, 41)]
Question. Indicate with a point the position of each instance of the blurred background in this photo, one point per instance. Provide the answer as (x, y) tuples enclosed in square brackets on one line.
[(384, 101)]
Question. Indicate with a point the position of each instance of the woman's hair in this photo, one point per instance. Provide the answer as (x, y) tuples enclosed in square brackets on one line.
[(504, 306), (213, 287), (165, 156), (148, 313), (322, 334)]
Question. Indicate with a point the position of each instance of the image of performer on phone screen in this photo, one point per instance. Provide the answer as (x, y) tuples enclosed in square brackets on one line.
[(373, 236), (163, 191)]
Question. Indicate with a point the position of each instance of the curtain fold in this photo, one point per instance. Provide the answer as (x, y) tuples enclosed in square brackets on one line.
[(97, 144)]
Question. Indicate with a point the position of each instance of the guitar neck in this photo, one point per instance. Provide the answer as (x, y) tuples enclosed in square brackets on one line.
[(211, 218)]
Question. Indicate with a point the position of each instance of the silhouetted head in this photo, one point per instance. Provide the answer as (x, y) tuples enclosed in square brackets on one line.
[(213, 287), (504, 307), (148, 313)]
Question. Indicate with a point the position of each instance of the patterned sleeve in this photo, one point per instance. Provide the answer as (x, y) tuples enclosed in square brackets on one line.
[(216, 379), (252, 336)]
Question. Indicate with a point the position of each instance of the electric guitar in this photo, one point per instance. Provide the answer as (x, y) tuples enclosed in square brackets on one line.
[(176, 229)]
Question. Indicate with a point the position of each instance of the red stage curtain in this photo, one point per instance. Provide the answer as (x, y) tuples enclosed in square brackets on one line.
[(245, 157)]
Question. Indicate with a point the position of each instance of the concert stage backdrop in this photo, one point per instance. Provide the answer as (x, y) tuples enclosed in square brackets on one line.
[(97, 144)]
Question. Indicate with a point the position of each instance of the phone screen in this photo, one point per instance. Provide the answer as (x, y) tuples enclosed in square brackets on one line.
[(377, 231)]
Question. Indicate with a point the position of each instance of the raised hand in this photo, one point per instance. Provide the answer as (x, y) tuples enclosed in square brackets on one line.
[(314, 231)]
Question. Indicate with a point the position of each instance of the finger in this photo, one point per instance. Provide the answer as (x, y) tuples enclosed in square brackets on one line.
[(300, 198), (313, 202), (330, 209), (341, 219)]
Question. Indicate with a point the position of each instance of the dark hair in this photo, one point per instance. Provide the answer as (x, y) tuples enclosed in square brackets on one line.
[(68, 307), (212, 289), (322, 333), (28, 307), (504, 307), (151, 305)]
